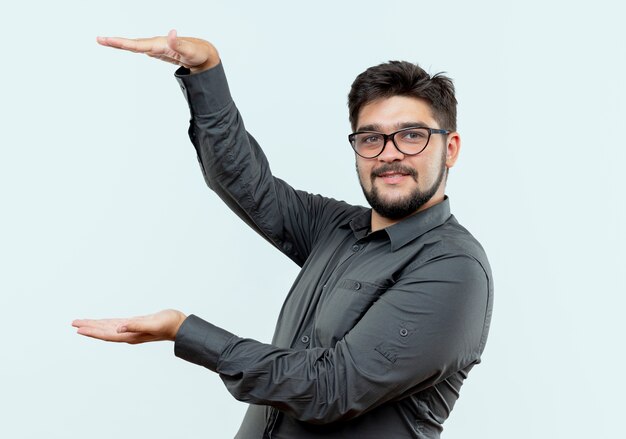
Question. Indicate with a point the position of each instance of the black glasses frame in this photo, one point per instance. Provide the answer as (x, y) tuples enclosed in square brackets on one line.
[(391, 136)]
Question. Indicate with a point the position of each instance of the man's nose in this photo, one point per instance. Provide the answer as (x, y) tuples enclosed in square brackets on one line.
[(390, 152)]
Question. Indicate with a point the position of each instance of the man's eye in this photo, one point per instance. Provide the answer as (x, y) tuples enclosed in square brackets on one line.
[(371, 139), (414, 135)]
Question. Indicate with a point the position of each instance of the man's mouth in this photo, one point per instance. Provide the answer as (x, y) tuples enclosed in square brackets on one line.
[(393, 176)]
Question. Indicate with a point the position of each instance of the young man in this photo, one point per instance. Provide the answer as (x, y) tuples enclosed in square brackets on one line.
[(392, 307)]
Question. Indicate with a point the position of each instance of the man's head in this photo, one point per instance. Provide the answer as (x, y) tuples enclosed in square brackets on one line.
[(390, 97)]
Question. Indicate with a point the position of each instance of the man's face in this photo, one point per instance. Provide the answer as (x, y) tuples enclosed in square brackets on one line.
[(394, 184)]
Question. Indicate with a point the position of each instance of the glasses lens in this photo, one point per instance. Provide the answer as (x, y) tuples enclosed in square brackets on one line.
[(412, 141), (368, 144)]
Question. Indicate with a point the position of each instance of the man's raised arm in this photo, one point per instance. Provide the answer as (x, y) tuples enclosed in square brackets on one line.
[(233, 164)]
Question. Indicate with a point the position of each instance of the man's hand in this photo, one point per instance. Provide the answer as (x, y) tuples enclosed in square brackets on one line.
[(155, 327), (195, 54)]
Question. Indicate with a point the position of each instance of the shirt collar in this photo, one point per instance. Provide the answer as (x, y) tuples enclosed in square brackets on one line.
[(406, 230)]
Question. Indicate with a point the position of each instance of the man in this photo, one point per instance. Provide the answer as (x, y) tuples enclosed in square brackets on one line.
[(392, 307)]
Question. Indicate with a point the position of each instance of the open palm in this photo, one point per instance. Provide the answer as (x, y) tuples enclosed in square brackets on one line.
[(193, 53)]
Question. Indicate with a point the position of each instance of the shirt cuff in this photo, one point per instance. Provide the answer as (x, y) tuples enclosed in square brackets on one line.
[(200, 342), (206, 92)]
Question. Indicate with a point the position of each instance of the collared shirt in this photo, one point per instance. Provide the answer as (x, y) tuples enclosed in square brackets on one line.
[(378, 331)]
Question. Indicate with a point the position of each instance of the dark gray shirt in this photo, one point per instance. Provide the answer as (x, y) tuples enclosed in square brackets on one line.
[(379, 330)]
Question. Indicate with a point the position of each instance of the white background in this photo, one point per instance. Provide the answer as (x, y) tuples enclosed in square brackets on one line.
[(104, 211)]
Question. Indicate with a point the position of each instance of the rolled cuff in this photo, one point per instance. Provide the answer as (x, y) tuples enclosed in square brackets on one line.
[(206, 92), (200, 342)]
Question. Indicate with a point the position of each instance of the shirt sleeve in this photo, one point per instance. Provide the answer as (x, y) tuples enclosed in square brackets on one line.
[(236, 169), (428, 326)]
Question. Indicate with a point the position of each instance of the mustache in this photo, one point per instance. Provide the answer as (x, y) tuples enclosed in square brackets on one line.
[(393, 167)]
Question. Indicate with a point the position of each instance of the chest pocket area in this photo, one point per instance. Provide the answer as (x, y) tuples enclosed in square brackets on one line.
[(342, 308)]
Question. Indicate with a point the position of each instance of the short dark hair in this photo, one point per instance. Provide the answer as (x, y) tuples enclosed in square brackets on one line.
[(402, 78)]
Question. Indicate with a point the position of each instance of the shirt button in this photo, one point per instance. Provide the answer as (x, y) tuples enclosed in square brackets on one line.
[(356, 248), (305, 339), (357, 285), (404, 332)]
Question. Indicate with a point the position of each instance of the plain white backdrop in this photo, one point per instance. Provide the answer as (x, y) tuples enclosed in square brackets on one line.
[(104, 212)]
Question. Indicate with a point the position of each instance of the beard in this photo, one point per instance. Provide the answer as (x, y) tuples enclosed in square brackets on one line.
[(407, 205)]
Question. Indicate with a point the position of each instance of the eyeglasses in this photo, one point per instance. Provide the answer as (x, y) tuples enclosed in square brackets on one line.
[(411, 141)]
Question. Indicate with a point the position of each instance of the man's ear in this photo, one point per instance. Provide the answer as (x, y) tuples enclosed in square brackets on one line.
[(453, 148)]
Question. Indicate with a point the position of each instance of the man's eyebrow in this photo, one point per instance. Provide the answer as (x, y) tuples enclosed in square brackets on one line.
[(397, 126)]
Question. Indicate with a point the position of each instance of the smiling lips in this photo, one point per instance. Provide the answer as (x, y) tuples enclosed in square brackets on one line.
[(393, 176)]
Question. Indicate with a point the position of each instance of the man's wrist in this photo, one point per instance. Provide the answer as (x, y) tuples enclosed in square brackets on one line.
[(209, 64), (180, 320)]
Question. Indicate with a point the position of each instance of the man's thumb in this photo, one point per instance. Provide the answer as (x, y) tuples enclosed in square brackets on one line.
[(129, 327)]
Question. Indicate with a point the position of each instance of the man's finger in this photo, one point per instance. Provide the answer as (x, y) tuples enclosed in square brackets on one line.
[(186, 49), (138, 45), (112, 336), (79, 322), (138, 325), (101, 334), (172, 39), (98, 323), (128, 328)]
